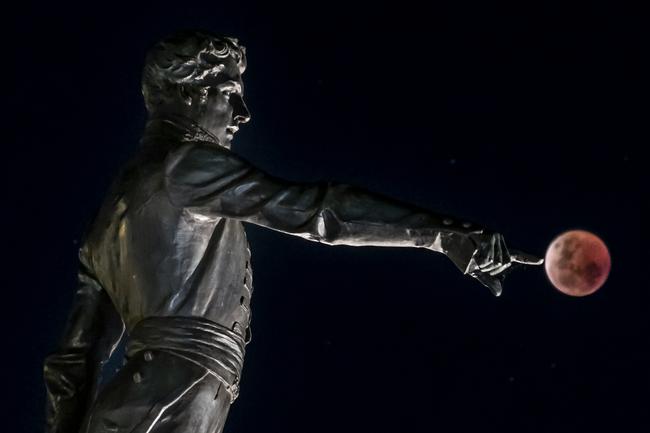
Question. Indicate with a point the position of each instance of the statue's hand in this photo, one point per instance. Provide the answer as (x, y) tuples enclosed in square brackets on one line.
[(484, 256)]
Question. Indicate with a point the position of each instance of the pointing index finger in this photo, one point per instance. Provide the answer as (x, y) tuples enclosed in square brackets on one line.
[(525, 259)]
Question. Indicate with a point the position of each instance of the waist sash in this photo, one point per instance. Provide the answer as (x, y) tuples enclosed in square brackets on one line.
[(213, 346)]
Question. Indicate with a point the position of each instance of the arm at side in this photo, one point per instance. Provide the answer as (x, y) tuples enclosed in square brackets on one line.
[(73, 372)]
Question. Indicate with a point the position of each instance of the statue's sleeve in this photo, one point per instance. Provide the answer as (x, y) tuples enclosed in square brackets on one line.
[(215, 181), (72, 373)]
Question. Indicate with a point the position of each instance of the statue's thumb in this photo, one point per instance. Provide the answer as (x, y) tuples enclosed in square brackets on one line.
[(492, 283)]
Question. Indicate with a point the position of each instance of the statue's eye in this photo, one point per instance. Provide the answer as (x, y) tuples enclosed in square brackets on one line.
[(226, 92)]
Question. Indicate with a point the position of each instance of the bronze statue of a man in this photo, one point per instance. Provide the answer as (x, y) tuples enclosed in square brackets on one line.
[(167, 259)]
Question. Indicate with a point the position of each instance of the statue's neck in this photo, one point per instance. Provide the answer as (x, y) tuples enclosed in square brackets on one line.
[(175, 128)]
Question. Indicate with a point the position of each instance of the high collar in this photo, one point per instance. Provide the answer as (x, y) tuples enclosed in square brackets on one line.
[(175, 129)]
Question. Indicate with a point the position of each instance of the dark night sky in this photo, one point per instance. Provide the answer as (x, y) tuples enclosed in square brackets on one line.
[(525, 119)]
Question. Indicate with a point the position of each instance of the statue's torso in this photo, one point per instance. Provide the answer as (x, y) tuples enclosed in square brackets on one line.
[(156, 259)]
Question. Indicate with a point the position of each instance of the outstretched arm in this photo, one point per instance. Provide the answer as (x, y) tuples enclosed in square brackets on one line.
[(73, 373), (211, 180), (215, 181)]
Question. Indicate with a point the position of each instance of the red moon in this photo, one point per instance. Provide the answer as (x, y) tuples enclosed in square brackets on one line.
[(577, 263)]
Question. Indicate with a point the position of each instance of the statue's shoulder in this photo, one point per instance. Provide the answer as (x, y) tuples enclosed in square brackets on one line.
[(199, 157)]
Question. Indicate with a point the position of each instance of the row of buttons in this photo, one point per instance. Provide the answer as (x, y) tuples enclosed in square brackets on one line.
[(236, 327)]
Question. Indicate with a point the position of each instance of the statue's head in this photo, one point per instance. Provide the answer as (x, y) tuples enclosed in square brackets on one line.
[(198, 75)]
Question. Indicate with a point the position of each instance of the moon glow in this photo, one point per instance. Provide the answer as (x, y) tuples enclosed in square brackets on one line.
[(577, 263)]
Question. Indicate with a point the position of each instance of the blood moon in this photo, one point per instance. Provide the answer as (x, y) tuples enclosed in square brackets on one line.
[(577, 263)]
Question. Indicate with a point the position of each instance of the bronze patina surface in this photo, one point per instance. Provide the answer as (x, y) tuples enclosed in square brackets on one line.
[(167, 259)]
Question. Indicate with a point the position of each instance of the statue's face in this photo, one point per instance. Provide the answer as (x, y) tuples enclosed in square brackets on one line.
[(223, 109)]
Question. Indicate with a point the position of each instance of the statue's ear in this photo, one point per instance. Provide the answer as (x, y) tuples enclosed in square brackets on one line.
[(185, 94)]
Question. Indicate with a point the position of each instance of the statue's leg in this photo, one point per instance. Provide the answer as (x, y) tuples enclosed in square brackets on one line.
[(158, 392)]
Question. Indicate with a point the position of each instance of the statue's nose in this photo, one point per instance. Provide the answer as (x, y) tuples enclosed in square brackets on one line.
[(242, 115)]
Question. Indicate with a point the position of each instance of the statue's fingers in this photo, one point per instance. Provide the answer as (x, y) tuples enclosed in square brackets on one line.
[(498, 252), (492, 283), (524, 258), (487, 258), (505, 254), (490, 259), (499, 270), (490, 267)]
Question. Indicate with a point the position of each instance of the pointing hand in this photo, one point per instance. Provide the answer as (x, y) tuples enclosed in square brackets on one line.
[(491, 259)]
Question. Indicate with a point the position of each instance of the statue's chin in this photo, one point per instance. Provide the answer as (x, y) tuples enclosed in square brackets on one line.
[(226, 139)]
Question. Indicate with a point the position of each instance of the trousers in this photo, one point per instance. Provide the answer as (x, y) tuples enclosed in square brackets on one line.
[(159, 392), (181, 376)]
